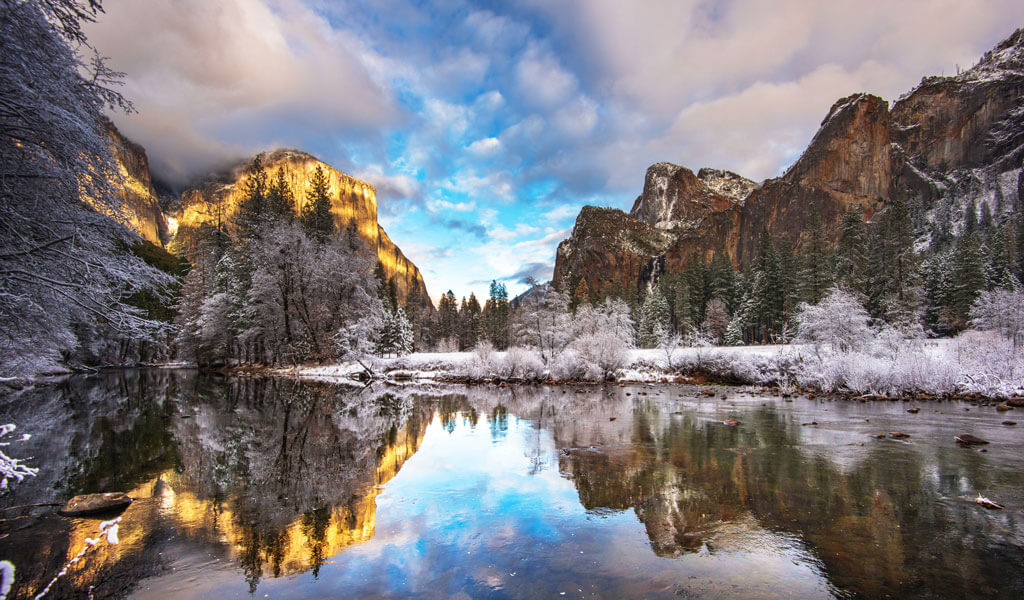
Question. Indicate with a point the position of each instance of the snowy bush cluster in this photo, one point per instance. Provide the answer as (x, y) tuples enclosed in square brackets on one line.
[(838, 350), (844, 353)]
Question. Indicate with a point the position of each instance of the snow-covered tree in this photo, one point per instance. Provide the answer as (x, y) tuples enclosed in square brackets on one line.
[(63, 242), (394, 336), (1000, 310), (839, 321), (655, 319), (543, 321)]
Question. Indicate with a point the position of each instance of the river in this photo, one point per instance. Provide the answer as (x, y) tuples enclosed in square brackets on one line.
[(260, 487)]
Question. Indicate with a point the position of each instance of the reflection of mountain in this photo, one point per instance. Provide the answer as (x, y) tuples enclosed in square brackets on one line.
[(696, 484), (278, 476)]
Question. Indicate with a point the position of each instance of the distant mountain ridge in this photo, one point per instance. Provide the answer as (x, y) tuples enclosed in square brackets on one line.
[(957, 138)]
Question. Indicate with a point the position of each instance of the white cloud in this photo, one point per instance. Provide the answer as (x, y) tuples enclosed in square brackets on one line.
[(542, 80), (211, 77), (485, 146)]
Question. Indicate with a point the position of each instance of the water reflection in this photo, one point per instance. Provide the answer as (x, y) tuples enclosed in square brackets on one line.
[(312, 490)]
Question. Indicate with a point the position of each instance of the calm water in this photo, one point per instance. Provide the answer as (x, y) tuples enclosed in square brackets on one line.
[(273, 488)]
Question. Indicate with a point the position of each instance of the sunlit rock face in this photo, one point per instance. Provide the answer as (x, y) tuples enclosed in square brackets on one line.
[(951, 140), (138, 197), (353, 201), (674, 196)]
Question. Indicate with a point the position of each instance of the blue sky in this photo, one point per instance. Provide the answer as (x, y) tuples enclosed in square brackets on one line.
[(485, 126)]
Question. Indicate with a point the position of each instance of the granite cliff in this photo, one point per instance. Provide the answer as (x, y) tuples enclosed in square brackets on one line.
[(354, 201), (951, 140), (218, 196), (138, 196)]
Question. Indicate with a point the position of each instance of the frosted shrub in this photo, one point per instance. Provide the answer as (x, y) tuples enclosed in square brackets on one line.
[(484, 351), (485, 361), (838, 322), (448, 344), (571, 365), (1001, 311), (522, 363), (987, 364), (604, 352)]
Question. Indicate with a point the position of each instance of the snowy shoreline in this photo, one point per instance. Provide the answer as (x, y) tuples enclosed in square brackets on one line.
[(966, 367)]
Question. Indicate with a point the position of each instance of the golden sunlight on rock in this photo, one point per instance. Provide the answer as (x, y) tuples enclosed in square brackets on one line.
[(353, 201)]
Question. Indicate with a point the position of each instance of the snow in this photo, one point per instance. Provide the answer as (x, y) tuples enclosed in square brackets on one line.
[(975, 363)]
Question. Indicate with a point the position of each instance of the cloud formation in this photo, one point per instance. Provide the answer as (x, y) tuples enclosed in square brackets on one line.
[(484, 127)]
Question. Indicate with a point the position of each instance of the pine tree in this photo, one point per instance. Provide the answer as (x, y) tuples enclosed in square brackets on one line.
[(469, 322), (415, 310), (280, 203), (695, 277), (985, 223), (999, 268), (734, 332), (655, 320), (316, 214), (448, 317), (496, 315), (682, 307), (851, 255), (395, 335), (789, 289), (892, 264), (253, 207), (767, 293), (935, 272), (721, 280), (968, 277), (970, 218), (815, 264)]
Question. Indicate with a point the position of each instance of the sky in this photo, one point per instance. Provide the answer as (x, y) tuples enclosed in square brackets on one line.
[(485, 126)]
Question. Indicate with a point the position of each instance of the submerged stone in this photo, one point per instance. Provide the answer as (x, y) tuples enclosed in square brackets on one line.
[(91, 504), (969, 440)]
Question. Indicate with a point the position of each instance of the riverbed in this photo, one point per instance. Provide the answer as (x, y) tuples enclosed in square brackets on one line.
[(274, 487)]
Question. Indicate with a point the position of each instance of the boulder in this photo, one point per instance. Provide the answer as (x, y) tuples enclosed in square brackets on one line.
[(92, 504)]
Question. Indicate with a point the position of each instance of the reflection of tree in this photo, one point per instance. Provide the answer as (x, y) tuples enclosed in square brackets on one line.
[(293, 460), (314, 526), (498, 420), (875, 527)]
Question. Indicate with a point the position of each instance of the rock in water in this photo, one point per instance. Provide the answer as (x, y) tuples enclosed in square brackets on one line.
[(91, 504), (1003, 407), (913, 411), (988, 503), (969, 440), (1009, 422)]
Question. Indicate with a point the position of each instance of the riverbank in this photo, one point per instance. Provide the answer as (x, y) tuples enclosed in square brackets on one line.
[(972, 367)]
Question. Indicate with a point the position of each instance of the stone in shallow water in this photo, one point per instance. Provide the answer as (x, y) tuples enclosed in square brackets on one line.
[(91, 504), (969, 440)]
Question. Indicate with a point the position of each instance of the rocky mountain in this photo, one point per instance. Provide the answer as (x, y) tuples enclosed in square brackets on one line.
[(950, 141), (218, 197), (137, 193)]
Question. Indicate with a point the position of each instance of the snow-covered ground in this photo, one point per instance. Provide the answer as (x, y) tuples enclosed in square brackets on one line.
[(966, 365)]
